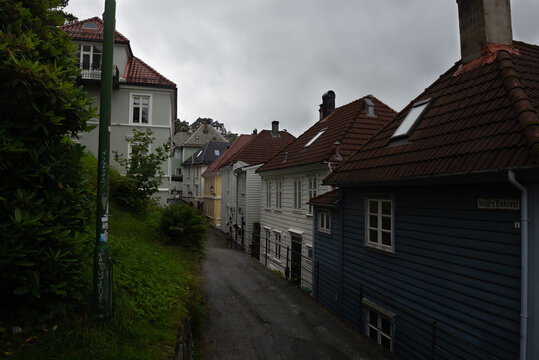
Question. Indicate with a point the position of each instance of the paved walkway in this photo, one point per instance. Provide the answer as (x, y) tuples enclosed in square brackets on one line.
[(253, 314)]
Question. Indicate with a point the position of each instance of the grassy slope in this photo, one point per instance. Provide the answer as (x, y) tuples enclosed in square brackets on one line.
[(154, 289)]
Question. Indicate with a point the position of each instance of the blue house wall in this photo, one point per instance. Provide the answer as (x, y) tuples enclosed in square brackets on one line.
[(453, 263)]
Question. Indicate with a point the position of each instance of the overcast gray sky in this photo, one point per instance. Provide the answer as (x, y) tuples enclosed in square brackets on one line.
[(249, 62)]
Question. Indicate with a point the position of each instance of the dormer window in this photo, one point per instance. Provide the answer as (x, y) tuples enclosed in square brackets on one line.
[(90, 25), (411, 120), (315, 137)]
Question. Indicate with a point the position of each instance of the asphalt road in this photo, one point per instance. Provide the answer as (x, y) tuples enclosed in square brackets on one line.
[(253, 314)]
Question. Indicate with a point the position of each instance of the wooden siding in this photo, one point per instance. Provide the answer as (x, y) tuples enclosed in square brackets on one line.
[(289, 218), (453, 263)]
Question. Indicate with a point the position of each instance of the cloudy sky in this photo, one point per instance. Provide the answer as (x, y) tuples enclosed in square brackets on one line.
[(249, 62)]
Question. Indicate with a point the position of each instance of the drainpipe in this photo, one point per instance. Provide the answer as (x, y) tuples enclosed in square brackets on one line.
[(524, 264)]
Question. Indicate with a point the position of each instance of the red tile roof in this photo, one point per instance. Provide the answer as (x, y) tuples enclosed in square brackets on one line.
[(76, 31), (262, 148), (231, 151), (138, 72), (349, 125), (483, 119)]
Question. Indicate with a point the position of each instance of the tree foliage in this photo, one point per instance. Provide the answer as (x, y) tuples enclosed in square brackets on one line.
[(184, 225), (143, 167), (44, 202)]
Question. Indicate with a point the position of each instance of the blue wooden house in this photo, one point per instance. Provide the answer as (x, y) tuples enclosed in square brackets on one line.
[(429, 247)]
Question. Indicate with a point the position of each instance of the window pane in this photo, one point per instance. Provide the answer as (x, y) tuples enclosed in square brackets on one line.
[(136, 114), (373, 235), (373, 318), (386, 207), (373, 334), (386, 326), (86, 47), (386, 222), (386, 238), (145, 101), (373, 206), (97, 49), (85, 62), (144, 115), (373, 221), (96, 62), (386, 343), (136, 100)]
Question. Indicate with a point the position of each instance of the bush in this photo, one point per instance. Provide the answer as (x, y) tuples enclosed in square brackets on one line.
[(183, 225), (44, 200)]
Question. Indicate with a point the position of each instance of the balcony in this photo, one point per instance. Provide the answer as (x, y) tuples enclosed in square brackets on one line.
[(94, 75)]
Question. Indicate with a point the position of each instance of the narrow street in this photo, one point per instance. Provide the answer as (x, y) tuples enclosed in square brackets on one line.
[(253, 314)]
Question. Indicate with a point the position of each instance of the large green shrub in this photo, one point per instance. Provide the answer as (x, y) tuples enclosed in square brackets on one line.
[(143, 170), (44, 203), (184, 225)]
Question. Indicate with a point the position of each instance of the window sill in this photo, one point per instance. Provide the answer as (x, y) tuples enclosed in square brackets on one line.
[(381, 250), (309, 215), (278, 210), (324, 232), (297, 212)]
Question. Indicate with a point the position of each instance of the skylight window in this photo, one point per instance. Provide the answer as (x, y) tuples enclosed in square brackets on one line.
[(315, 137), (200, 152), (412, 119), (217, 152), (89, 25)]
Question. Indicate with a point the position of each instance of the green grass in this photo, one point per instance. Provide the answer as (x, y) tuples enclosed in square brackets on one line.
[(155, 288)]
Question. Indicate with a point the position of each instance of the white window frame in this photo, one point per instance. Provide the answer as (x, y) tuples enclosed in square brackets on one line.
[(278, 193), (268, 193), (309, 250), (374, 327), (378, 225), (131, 108), (82, 52), (297, 194), (313, 190), (324, 221)]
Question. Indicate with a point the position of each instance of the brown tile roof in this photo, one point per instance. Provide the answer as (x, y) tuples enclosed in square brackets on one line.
[(331, 198), (140, 73), (262, 148), (483, 119), (76, 31), (236, 146), (349, 125)]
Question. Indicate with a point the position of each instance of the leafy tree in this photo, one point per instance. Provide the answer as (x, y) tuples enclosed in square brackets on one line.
[(184, 225), (44, 202), (143, 168)]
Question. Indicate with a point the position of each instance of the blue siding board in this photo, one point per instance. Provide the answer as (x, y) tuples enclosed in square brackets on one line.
[(453, 263)]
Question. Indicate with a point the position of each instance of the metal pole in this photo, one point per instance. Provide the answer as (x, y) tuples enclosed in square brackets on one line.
[(102, 262)]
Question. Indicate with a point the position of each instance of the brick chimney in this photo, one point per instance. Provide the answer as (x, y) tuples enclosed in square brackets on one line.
[(482, 22), (328, 104), (205, 126), (275, 128)]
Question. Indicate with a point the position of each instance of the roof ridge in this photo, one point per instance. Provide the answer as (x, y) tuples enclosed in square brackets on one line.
[(527, 114)]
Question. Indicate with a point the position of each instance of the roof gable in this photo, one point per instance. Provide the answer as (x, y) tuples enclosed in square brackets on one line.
[(236, 146), (262, 148), (483, 119), (199, 137), (78, 31), (349, 125)]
